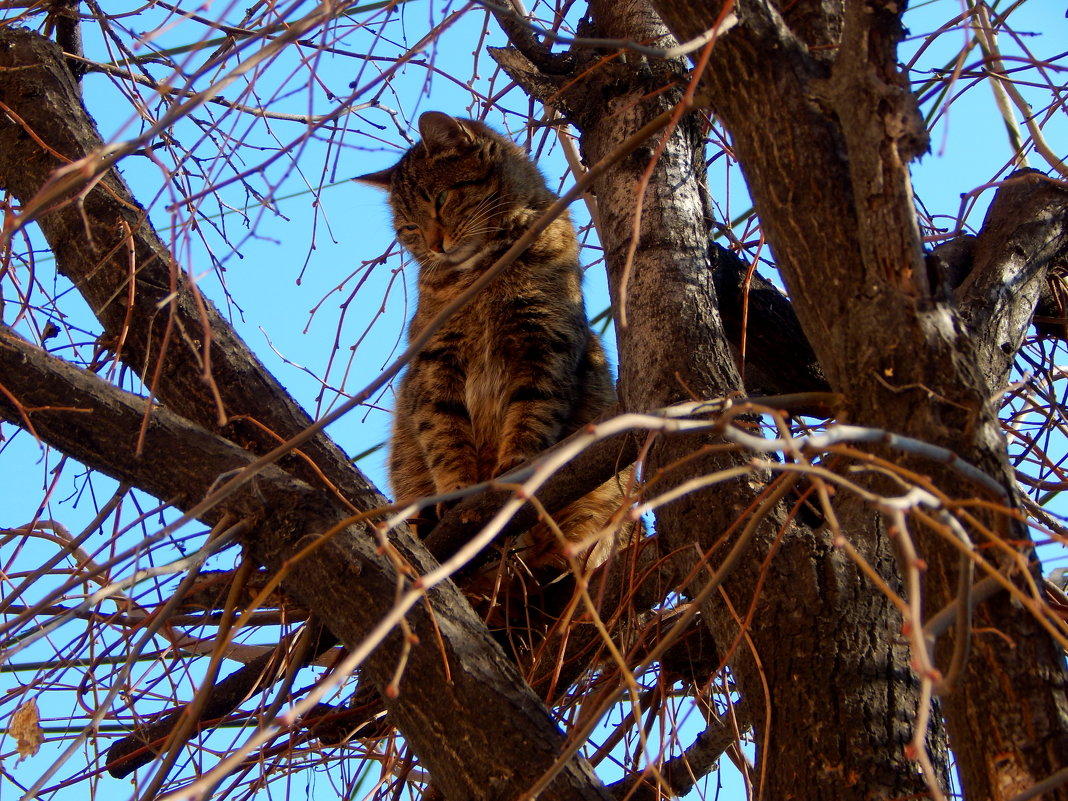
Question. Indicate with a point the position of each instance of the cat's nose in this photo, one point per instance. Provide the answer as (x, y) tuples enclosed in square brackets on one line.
[(435, 237)]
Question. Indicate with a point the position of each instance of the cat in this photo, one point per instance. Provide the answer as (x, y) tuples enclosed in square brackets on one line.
[(518, 368)]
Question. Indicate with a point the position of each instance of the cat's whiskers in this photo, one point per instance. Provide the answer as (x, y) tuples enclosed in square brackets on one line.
[(492, 203), (480, 214)]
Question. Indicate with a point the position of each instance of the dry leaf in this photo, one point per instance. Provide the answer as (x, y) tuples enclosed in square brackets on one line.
[(26, 729)]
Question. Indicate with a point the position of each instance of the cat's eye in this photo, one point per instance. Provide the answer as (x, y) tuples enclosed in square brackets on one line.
[(408, 228), (440, 200)]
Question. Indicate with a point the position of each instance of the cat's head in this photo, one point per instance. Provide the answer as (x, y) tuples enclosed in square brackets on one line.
[(460, 192)]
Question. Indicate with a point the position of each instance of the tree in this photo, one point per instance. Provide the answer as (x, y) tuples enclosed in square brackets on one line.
[(871, 584)]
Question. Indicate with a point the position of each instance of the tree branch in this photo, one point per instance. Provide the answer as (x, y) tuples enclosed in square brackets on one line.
[(1024, 233), (177, 342), (132, 752), (462, 705), (778, 359), (522, 36), (682, 773)]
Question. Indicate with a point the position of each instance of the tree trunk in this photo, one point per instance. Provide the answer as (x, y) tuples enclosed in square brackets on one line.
[(824, 128), (816, 622)]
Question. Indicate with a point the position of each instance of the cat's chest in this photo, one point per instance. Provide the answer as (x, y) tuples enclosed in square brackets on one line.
[(475, 337), (484, 394), (473, 333), (481, 349)]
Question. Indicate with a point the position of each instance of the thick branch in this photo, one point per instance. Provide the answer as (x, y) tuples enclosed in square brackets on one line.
[(523, 38), (462, 705), (188, 355), (683, 772), (92, 421), (778, 360), (1024, 233), (577, 478), (140, 748)]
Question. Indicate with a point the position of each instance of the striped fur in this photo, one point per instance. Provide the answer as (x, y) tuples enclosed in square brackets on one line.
[(516, 369)]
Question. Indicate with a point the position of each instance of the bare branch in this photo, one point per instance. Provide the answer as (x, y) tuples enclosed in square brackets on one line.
[(344, 577), (175, 339), (681, 773)]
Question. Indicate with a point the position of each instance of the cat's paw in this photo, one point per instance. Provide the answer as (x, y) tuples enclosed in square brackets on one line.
[(466, 516), (442, 508)]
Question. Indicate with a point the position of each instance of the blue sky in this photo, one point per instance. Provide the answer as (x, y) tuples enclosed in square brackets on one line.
[(301, 282)]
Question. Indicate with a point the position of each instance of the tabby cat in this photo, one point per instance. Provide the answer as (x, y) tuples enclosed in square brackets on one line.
[(516, 369)]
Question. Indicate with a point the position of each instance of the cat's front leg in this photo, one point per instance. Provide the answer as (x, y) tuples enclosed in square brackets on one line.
[(539, 347), (446, 436), (537, 404), (441, 420)]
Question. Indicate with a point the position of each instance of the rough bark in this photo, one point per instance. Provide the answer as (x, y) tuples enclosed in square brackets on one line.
[(1024, 235), (824, 142), (818, 624)]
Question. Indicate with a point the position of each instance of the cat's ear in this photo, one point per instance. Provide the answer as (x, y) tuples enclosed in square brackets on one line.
[(442, 132), (382, 179)]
